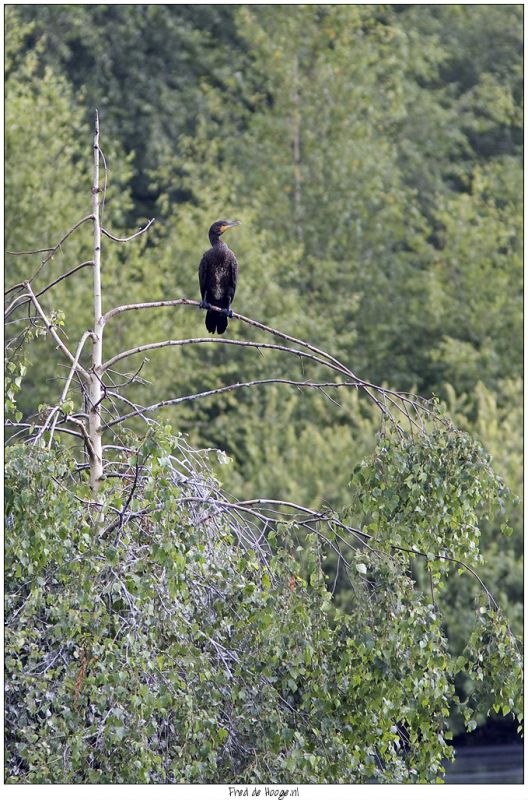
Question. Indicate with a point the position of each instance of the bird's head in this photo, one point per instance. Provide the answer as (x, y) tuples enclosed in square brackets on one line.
[(219, 227)]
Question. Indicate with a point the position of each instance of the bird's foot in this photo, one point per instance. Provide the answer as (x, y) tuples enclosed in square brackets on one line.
[(229, 313), (204, 304)]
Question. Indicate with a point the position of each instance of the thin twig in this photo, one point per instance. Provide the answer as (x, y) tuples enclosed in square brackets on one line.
[(131, 493), (128, 238), (28, 253), (132, 377)]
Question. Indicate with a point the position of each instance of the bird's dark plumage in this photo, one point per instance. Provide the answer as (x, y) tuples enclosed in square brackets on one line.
[(218, 272)]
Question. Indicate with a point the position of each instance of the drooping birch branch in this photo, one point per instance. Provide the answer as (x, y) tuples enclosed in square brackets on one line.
[(366, 540)]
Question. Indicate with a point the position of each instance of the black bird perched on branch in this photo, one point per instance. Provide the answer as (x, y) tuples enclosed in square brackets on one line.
[(218, 272)]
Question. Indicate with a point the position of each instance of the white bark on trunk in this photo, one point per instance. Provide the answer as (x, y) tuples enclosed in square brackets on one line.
[(95, 388)]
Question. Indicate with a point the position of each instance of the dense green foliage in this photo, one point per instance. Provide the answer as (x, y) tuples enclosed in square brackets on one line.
[(374, 155), (177, 646)]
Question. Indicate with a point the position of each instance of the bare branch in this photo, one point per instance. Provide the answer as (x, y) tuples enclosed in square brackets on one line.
[(13, 288), (131, 493), (16, 303), (155, 304), (9, 424), (185, 301), (28, 252), (211, 340), (65, 275), (210, 392), (42, 291), (84, 433), (54, 412), (138, 410), (128, 238), (52, 331), (335, 363), (50, 250), (131, 379)]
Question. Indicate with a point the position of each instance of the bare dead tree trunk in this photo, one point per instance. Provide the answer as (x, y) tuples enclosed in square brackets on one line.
[(95, 387), (92, 379)]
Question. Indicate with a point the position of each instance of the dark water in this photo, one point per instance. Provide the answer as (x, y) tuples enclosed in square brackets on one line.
[(492, 764)]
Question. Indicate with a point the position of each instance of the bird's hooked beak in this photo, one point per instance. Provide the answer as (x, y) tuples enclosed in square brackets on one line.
[(230, 225)]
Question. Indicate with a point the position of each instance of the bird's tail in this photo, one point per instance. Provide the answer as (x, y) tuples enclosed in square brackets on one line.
[(215, 321)]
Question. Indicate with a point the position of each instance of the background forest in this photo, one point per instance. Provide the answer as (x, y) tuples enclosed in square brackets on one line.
[(374, 156)]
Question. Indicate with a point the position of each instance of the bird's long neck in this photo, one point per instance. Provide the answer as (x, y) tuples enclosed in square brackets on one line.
[(215, 240)]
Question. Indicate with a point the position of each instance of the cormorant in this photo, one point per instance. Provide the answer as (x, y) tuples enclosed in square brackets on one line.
[(218, 272)]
